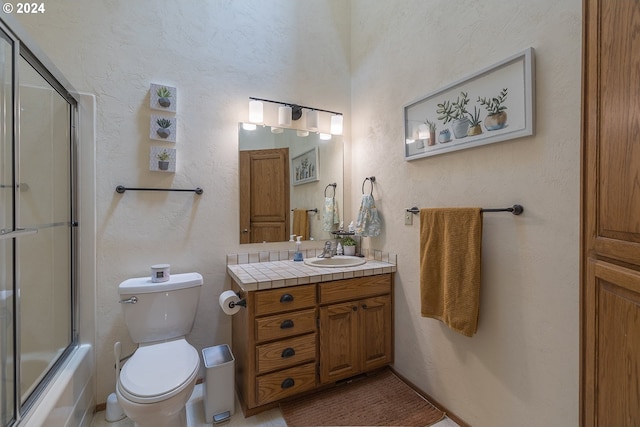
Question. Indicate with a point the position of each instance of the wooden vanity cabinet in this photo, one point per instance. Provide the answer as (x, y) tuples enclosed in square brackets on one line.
[(356, 335), (275, 345), (294, 339)]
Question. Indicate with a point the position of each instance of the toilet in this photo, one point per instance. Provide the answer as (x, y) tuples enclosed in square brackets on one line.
[(156, 382)]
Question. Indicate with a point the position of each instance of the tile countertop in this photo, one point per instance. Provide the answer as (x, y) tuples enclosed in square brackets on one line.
[(266, 273)]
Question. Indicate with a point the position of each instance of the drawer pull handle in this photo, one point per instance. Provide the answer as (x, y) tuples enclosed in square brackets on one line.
[(364, 306), (286, 298), (287, 383), (286, 324), (354, 308), (288, 352)]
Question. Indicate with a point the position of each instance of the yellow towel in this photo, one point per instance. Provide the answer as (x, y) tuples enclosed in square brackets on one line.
[(450, 254), (301, 223)]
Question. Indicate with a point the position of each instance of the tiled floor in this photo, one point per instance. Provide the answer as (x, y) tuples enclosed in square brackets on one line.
[(195, 416)]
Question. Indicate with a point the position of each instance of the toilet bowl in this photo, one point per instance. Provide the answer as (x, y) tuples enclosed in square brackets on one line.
[(156, 382)]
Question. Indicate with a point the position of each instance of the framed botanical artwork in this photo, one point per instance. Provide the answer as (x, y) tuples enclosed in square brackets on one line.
[(163, 97), (162, 159), (305, 167), (163, 128), (495, 104)]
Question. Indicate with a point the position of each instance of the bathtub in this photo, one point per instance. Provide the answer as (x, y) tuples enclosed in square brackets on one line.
[(68, 401), (33, 366)]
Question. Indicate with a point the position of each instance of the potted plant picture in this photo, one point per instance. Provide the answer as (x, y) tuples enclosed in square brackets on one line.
[(349, 246), (164, 95), (444, 136), (445, 114), (432, 132), (456, 113), (163, 160), (474, 123), (163, 130), (461, 122), (497, 117)]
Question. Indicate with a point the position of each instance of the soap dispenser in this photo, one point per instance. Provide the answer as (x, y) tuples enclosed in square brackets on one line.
[(297, 256)]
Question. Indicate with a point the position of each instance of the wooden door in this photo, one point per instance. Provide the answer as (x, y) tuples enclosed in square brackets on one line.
[(375, 332), (264, 195), (610, 243), (339, 348)]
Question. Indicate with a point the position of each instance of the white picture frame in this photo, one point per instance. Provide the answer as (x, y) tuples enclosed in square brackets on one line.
[(164, 103), (305, 167), (512, 77), (162, 159), (168, 133)]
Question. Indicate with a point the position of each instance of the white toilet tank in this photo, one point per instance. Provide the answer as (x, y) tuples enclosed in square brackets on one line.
[(161, 311)]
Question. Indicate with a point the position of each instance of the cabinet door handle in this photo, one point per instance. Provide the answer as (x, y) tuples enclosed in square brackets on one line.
[(286, 324), (286, 298), (364, 306), (287, 383), (354, 308), (288, 352)]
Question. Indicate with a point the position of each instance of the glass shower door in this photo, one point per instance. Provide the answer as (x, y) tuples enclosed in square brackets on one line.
[(7, 379), (43, 263), (37, 234)]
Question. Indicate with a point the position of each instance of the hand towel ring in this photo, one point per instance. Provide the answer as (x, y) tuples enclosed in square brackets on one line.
[(334, 185), (369, 178)]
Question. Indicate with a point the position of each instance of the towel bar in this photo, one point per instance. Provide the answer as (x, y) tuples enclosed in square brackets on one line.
[(121, 189), (309, 210), (515, 209)]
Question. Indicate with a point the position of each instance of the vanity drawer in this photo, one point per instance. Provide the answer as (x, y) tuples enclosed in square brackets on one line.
[(349, 289), (285, 383), (285, 353), (284, 299), (285, 325)]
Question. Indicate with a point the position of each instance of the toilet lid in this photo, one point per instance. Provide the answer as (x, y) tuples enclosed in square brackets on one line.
[(159, 369)]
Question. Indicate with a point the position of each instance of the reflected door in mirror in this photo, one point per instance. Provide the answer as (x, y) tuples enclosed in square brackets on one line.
[(264, 195)]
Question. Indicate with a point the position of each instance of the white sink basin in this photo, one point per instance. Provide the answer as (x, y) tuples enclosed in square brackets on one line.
[(336, 261)]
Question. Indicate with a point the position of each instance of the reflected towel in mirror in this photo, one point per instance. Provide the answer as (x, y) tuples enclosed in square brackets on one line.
[(301, 223), (331, 217)]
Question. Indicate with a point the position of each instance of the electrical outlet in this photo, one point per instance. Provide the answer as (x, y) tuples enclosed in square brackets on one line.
[(408, 218)]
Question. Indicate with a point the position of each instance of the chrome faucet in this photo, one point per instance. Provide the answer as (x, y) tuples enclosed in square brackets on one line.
[(327, 252)]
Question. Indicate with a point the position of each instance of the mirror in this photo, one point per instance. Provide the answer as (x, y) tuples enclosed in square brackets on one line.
[(280, 172)]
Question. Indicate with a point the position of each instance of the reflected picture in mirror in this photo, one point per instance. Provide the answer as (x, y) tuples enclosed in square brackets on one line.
[(268, 196)]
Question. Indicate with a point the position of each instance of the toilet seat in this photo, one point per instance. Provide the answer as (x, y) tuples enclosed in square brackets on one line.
[(157, 372)]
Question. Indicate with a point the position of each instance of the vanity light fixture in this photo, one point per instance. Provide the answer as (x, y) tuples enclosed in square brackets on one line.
[(288, 112), (255, 111), (312, 120), (284, 115), (336, 124)]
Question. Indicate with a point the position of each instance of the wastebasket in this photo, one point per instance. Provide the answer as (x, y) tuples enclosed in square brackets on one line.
[(219, 384)]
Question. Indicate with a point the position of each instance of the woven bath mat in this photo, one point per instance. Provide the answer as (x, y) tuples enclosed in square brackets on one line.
[(381, 399)]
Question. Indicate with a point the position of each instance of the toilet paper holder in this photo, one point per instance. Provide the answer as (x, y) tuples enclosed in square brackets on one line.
[(241, 303)]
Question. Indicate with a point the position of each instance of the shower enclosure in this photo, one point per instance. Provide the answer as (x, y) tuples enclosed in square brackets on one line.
[(37, 226)]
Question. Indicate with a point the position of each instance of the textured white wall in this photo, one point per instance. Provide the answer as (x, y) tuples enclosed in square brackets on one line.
[(217, 53), (521, 368)]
